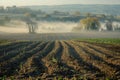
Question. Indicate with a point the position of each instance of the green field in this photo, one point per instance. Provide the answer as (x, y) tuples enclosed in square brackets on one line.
[(115, 41)]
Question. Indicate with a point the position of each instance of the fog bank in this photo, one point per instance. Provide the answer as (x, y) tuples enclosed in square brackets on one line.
[(43, 27)]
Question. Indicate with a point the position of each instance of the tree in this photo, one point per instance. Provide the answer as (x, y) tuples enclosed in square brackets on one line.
[(109, 26), (47, 15), (89, 24), (2, 21), (76, 14), (32, 25), (88, 14), (7, 19), (103, 15), (56, 12), (30, 15)]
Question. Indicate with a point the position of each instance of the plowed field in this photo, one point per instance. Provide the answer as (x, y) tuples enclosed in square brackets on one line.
[(27, 60)]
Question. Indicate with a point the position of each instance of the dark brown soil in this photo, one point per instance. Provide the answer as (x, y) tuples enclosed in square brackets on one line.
[(54, 59)]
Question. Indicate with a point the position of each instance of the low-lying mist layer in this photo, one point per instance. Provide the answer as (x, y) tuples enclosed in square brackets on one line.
[(43, 27), (47, 27), (17, 26)]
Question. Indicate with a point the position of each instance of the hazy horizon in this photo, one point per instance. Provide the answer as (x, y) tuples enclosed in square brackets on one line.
[(55, 2)]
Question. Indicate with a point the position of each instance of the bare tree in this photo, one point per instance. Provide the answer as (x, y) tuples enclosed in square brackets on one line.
[(31, 23), (32, 26)]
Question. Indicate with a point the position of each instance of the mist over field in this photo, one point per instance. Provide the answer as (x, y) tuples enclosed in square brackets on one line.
[(43, 27), (56, 27), (52, 30), (16, 26)]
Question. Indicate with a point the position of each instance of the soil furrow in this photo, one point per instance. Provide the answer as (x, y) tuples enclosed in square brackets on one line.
[(66, 58), (76, 57), (95, 56), (85, 67), (13, 53), (102, 57), (103, 51), (39, 65), (49, 60), (103, 67), (4, 46), (58, 54), (13, 64), (28, 67), (12, 47), (20, 52)]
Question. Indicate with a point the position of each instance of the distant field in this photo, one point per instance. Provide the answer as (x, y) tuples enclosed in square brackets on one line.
[(102, 40), (58, 36), (68, 59), (4, 41), (108, 43)]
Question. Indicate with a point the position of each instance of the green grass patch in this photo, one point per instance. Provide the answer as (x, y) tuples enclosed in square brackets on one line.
[(102, 40), (4, 42)]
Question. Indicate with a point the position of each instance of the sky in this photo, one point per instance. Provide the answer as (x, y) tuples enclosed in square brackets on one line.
[(55, 2)]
